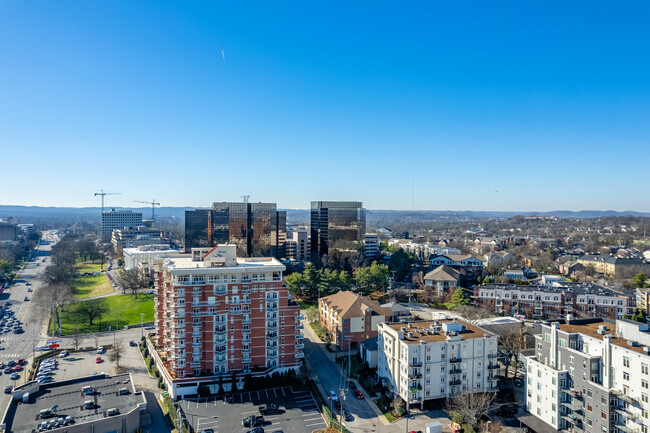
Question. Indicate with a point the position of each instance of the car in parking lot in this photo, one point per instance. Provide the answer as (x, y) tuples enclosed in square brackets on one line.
[(267, 409), (207, 430), (256, 430), (63, 354), (29, 289), (8, 389), (252, 421), (26, 299), (98, 360), (100, 349), (150, 328), (14, 376), (8, 370), (44, 379)]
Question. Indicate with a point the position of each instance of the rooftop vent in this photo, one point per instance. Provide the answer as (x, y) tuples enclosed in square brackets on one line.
[(632, 343), (410, 334)]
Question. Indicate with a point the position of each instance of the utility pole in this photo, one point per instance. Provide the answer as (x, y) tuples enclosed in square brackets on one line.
[(141, 325)]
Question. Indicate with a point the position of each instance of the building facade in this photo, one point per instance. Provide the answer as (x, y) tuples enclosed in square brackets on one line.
[(257, 229), (371, 245), (298, 244), (337, 227), (428, 360), (133, 237), (118, 219), (543, 302), (615, 266), (469, 267), (216, 313), (590, 376), (351, 318), (442, 280)]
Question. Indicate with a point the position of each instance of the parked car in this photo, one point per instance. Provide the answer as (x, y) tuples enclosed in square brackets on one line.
[(150, 328), (14, 376), (132, 343), (26, 298), (100, 349), (63, 354), (8, 389), (267, 408), (333, 396), (98, 360), (358, 394), (352, 385), (252, 421)]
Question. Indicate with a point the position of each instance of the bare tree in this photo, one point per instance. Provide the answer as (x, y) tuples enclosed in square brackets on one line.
[(52, 298), (116, 354), (57, 274), (132, 280), (76, 338), (510, 339), (471, 405), (418, 280), (473, 314)]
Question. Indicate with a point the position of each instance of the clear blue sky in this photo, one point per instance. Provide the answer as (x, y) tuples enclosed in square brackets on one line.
[(482, 105)]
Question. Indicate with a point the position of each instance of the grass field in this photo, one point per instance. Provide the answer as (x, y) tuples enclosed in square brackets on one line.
[(127, 308), (86, 286)]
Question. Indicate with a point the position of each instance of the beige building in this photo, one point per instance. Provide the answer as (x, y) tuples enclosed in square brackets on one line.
[(441, 280), (351, 318), (615, 266)]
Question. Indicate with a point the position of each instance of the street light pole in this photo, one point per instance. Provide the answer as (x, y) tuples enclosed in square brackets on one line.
[(141, 325)]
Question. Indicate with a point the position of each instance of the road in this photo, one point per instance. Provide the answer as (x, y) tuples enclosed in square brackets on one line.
[(21, 345), (329, 375)]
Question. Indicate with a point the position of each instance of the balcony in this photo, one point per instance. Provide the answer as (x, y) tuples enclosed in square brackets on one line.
[(415, 363), (271, 307), (627, 429), (220, 340), (273, 354), (416, 388), (197, 344), (271, 335), (246, 291), (455, 360), (235, 310), (220, 329), (493, 366), (456, 370), (246, 280), (246, 321), (300, 317), (175, 325), (414, 375), (245, 301), (271, 317), (246, 331), (299, 346), (493, 355), (246, 350), (220, 292), (627, 398), (176, 356), (299, 355), (197, 334), (220, 349), (272, 325), (300, 326), (454, 382), (299, 335), (204, 304), (271, 346), (246, 339), (195, 364)]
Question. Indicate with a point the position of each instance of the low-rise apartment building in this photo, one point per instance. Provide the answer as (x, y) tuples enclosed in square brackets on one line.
[(351, 318), (436, 359), (543, 302), (615, 266), (590, 376), (442, 280), (469, 267), (216, 313)]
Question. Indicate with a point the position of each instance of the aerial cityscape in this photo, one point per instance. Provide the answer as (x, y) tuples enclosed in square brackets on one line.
[(377, 217)]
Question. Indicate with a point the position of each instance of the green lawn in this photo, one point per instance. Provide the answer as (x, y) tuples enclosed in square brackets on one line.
[(86, 286), (89, 267), (126, 306)]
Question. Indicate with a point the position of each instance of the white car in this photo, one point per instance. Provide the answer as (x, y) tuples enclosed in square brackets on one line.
[(100, 349), (63, 354)]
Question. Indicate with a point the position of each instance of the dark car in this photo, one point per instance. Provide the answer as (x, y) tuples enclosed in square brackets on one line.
[(8, 389), (267, 408), (348, 416), (352, 385), (519, 382), (132, 343), (256, 430), (8, 370)]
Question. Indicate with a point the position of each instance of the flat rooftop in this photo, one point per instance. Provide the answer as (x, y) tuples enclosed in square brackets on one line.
[(563, 287), (431, 330), (591, 330), (70, 400), (187, 263)]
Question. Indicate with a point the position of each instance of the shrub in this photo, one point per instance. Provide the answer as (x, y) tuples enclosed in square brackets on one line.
[(145, 353), (467, 428), (456, 417)]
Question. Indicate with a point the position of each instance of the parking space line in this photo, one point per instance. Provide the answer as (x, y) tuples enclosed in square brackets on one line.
[(276, 393), (267, 393), (258, 394)]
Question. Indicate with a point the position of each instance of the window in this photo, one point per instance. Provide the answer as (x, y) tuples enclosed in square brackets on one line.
[(644, 368), (539, 398), (603, 399), (626, 376), (644, 398), (589, 394), (571, 359), (644, 383), (554, 380), (539, 412), (589, 407), (553, 407), (644, 413), (539, 373), (626, 362), (603, 414)]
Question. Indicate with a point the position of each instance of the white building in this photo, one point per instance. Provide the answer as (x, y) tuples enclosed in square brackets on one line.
[(118, 219), (298, 245), (144, 256), (423, 249), (371, 245), (436, 359), (591, 376)]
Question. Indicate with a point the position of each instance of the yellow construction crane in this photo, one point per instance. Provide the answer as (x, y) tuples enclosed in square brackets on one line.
[(153, 204), (102, 193)]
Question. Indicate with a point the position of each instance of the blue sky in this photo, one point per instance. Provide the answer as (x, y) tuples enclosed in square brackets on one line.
[(480, 105)]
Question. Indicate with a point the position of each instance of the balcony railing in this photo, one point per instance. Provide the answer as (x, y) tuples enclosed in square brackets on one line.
[(300, 326), (627, 398), (454, 382), (299, 335), (195, 364), (220, 349), (246, 350), (455, 370), (493, 366), (455, 360), (197, 344), (415, 363), (246, 321), (299, 346), (271, 335), (220, 329), (299, 355)]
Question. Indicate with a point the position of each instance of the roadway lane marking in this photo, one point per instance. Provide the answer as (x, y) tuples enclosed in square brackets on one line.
[(318, 423)]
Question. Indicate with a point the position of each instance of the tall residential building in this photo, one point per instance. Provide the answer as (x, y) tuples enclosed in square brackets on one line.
[(257, 229), (217, 313), (371, 245), (132, 237), (298, 244), (118, 219), (337, 227), (430, 360), (588, 375)]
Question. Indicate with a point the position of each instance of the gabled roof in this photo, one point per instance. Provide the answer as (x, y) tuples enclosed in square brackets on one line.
[(443, 273), (348, 304), (370, 344)]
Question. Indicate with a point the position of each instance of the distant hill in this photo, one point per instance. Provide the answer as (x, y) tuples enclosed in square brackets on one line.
[(301, 216)]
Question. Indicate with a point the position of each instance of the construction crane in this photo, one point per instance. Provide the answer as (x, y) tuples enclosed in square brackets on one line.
[(102, 193), (153, 204), (245, 197)]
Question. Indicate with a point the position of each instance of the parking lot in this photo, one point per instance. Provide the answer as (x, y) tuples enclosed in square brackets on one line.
[(298, 412)]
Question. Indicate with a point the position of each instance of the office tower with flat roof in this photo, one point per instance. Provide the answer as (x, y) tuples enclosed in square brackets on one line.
[(337, 228), (257, 229), (118, 219)]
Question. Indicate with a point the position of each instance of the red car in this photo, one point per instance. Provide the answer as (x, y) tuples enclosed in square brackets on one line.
[(18, 368), (21, 361), (358, 394), (98, 360)]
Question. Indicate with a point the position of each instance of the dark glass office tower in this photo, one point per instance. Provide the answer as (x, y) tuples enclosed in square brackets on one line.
[(257, 229), (197, 229), (337, 227)]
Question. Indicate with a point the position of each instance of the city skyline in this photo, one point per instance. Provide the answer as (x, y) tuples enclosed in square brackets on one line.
[(471, 106)]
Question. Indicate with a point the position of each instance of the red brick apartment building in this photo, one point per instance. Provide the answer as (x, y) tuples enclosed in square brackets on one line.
[(217, 313)]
